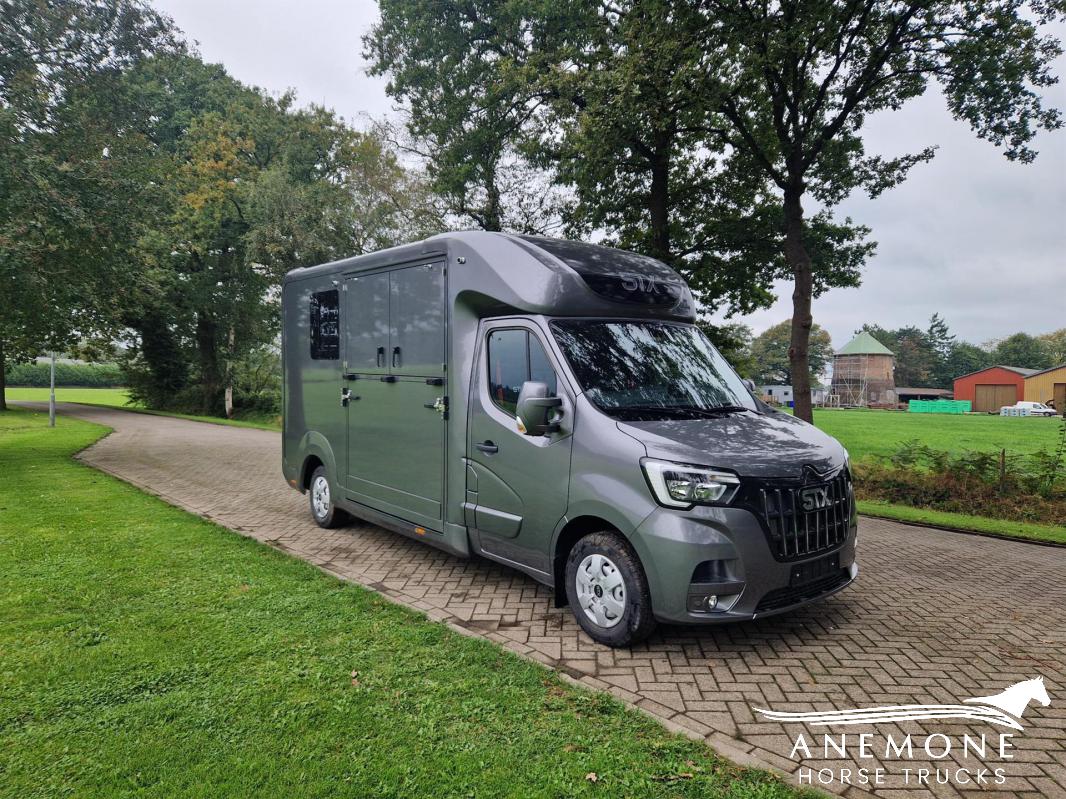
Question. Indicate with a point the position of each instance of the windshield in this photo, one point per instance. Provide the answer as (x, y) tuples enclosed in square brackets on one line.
[(650, 370)]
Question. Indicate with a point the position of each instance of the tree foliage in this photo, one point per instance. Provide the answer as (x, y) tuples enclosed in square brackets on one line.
[(68, 167), (718, 135), (769, 353), (1021, 349)]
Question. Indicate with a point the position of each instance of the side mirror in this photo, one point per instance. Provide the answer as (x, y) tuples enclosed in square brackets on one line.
[(750, 386), (534, 409)]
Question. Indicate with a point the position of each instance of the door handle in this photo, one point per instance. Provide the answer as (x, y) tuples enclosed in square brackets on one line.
[(380, 360), (346, 397), (487, 447), (395, 357)]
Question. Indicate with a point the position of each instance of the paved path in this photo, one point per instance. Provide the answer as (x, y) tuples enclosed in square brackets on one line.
[(935, 617)]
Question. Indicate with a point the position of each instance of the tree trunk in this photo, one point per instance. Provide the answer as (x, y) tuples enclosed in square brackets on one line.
[(659, 201), (210, 379), (493, 219), (799, 260), (229, 374), (3, 378)]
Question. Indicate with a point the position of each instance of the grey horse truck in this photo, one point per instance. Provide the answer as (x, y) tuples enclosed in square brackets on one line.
[(550, 405)]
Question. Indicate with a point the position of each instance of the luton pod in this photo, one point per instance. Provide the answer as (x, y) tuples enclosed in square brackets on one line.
[(550, 405)]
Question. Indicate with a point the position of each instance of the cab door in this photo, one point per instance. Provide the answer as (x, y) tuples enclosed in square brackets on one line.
[(518, 485)]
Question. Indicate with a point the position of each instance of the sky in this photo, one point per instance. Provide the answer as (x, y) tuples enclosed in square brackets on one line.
[(970, 235)]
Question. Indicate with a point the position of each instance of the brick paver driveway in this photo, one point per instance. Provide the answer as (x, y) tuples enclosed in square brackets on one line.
[(936, 617)]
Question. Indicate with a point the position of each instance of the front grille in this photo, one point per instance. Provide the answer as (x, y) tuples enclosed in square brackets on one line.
[(794, 532), (784, 597)]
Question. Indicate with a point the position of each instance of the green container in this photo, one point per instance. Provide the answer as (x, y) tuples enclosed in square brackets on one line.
[(938, 406)]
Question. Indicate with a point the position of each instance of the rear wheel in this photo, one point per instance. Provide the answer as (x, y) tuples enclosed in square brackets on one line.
[(323, 510), (608, 591)]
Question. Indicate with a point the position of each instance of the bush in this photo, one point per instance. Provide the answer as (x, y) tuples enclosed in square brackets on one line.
[(36, 374), (999, 485)]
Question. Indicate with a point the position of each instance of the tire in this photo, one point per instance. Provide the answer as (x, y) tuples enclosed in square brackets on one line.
[(320, 498), (608, 590)]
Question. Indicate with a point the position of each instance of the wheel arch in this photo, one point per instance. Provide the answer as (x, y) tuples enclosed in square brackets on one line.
[(316, 452), (572, 531)]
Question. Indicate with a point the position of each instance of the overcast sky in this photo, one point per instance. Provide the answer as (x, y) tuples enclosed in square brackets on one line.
[(971, 235)]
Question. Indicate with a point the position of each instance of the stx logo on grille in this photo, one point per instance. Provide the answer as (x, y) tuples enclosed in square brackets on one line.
[(815, 498)]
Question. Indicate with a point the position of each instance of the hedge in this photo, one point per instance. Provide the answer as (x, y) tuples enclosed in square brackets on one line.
[(83, 375)]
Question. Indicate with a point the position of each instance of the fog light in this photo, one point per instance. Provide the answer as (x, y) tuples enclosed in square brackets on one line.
[(702, 603)]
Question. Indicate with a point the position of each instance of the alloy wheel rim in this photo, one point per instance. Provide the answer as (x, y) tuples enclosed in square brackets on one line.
[(601, 591), (320, 497)]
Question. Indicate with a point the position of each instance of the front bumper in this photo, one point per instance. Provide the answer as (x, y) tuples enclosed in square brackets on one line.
[(672, 544)]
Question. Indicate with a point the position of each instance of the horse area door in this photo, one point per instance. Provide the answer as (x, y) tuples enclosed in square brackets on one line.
[(394, 366)]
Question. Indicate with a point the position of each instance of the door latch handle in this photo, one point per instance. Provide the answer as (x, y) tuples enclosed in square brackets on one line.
[(440, 405), (346, 397), (488, 447)]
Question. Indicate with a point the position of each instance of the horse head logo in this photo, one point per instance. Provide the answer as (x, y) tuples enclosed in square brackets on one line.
[(1004, 709), (1016, 698)]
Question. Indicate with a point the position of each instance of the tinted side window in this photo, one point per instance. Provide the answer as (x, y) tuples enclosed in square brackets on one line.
[(508, 367), (325, 325), (515, 356)]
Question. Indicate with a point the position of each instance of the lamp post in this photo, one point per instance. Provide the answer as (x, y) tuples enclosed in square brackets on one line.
[(52, 393)]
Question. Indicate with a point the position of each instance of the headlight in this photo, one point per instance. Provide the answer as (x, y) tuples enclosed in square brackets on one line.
[(678, 485)]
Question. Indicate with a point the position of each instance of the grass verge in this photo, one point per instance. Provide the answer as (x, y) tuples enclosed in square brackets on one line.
[(148, 652), (1001, 528)]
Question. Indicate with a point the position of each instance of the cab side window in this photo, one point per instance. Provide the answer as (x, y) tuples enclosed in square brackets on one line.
[(516, 356)]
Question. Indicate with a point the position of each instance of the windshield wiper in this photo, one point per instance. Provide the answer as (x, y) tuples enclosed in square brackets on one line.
[(682, 410), (716, 409)]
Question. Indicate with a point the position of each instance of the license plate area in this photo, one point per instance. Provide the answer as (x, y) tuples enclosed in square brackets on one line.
[(813, 570)]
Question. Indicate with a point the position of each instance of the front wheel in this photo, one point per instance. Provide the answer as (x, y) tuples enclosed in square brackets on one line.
[(608, 591), (323, 510)]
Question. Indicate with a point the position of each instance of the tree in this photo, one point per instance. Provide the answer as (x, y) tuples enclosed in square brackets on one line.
[(965, 358), (463, 71), (770, 354), (609, 100), (1055, 343), (68, 176), (794, 82), (943, 344), (1022, 350), (252, 186)]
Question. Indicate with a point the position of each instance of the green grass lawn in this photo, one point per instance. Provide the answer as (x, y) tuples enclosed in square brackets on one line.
[(113, 397), (1001, 528), (119, 398), (148, 652), (868, 433)]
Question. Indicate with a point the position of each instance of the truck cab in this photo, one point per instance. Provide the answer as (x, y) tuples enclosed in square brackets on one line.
[(552, 406)]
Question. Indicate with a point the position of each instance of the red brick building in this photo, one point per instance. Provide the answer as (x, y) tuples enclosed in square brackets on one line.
[(992, 388)]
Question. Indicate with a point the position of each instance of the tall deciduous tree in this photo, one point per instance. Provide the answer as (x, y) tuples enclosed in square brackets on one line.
[(1055, 342), (465, 73), (770, 355), (68, 178), (253, 186), (795, 81), (610, 100), (1022, 350)]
